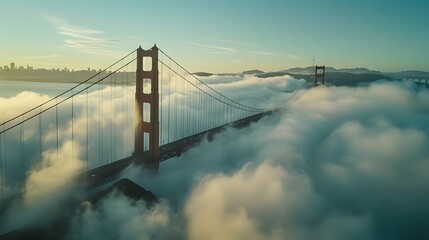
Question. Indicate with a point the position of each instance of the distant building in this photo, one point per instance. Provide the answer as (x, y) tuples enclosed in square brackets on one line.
[(6, 67), (12, 66), (29, 68)]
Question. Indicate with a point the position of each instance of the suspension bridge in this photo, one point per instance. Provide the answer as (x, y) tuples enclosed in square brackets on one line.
[(145, 108)]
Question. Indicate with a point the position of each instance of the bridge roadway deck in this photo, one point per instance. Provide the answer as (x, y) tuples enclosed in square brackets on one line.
[(108, 172)]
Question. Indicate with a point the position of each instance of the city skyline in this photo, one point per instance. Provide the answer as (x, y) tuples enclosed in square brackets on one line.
[(219, 36), (12, 67)]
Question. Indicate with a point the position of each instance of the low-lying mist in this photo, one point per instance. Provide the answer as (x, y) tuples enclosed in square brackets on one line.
[(340, 163)]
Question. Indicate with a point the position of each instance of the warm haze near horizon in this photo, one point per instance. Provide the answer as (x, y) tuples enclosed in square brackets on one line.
[(218, 36)]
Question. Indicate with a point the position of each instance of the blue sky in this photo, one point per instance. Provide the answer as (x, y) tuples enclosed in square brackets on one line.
[(218, 36)]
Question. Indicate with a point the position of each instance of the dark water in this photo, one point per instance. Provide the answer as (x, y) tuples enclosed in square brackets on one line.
[(12, 88)]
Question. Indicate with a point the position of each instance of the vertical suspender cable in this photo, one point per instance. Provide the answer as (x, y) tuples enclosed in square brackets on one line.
[(204, 122), (217, 114), (22, 152), (205, 112), (202, 109), (179, 101), (201, 98), (198, 110), (194, 116), (57, 127), (182, 106), (128, 101), (122, 110), (111, 118), (208, 110), (5, 159), (100, 142), (160, 100), (175, 105), (72, 122), (169, 102), (40, 133), (211, 114), (87, 128), (2, 176), (114, 117), (1, 168), (24, 167), (188, 97)]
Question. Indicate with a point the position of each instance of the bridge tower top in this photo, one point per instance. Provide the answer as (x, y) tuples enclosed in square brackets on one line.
[(319, 75)]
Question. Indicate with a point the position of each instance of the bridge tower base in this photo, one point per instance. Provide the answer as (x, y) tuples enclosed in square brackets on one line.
[(147, 102)]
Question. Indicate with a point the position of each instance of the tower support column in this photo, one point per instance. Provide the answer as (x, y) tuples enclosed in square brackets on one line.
[(147, 103)]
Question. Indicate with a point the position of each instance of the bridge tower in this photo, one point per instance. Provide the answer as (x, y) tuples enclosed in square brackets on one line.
[(319, 74), (147, 101)]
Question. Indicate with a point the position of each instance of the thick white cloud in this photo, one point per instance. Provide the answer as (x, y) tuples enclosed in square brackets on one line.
[(100, 125), (50, 179), (342, 163), (257, 92), (48, 185), (22, 102), (95, 113), (53, 175), (250, 204), (345, 163), (267, 203), (118, 217)]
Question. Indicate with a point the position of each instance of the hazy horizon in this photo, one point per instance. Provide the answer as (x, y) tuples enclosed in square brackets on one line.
[(67, 69)]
